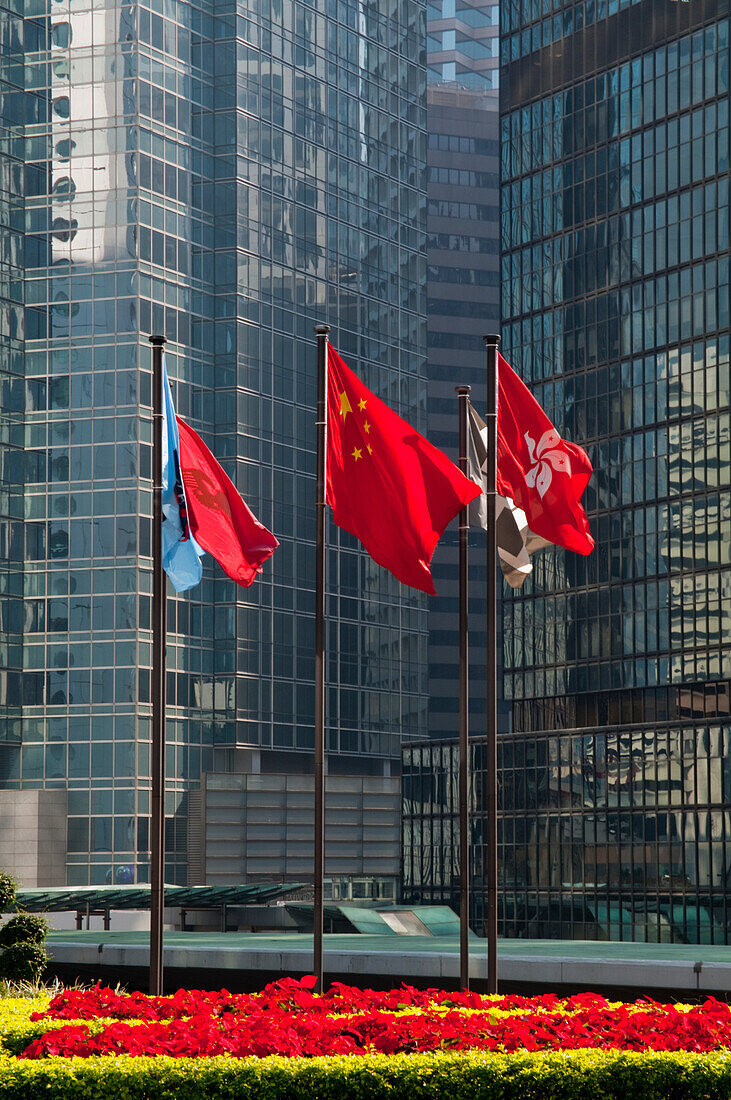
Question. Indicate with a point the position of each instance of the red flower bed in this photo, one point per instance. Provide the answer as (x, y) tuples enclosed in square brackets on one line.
[(286, 1018)]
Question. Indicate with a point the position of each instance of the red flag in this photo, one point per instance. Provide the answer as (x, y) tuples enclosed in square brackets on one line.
[(385, 483), (542, 473), (220, 521)]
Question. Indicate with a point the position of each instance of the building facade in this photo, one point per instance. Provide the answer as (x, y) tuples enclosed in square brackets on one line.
[(463, 299), (462, 45), (614, 783), (14, 103), (228, 175)]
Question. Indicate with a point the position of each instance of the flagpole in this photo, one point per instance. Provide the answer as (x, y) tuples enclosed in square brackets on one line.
[(159, 629), (321, 331), (491, 345), (464, 747)]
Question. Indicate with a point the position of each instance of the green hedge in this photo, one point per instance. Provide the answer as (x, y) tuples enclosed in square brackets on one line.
[(24, 957), (24, 928), (23, 962), (574, 1075), (16, 1039)]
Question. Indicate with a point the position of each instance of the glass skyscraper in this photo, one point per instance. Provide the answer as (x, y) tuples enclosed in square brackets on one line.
[(614, 777), (228, 175), (463, 299), (463, 288), (12, 548), (462, 45)]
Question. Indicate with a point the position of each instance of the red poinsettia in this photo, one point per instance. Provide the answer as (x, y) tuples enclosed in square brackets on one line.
[(289, 1019)]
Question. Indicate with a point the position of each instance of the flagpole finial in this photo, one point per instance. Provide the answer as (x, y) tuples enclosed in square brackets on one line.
[(462, 390), (321, 330), (157, 341), (492, 339)]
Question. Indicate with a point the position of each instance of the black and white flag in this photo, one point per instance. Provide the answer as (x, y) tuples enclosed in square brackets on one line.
[(515, 540)]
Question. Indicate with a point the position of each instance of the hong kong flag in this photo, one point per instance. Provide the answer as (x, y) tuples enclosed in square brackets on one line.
[(543, 474), (386, 484)]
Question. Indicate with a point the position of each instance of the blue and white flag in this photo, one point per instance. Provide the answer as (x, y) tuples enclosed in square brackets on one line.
[(181, 554)]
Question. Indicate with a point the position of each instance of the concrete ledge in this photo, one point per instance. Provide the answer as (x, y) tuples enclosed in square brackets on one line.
[(248, 960)]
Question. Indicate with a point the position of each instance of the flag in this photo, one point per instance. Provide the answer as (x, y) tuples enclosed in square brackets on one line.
[(386, 484), (220, 521), (515, 541), (540, 479), (181, 554)]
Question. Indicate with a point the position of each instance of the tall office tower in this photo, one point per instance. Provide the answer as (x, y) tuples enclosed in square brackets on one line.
[(463, 304), (14, 104), (615, 237), (463, 292), (227, 175), (614, 781)]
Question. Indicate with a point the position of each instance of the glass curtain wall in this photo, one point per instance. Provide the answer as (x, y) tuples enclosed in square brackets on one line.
[(463, 288), (227, 175), (463, 44), (614, 786), (615, 236), (16, 106)]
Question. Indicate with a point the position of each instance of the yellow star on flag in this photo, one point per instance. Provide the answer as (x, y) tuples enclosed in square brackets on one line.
[(345, 406), (366, 427), (369, 448), (362, 404), (357, 453)]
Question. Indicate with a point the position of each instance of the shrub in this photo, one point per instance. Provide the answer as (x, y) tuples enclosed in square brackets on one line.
[(8, 887), (24, 928), (16, 1028), (23, 962), (22, 938), (576, 1075)]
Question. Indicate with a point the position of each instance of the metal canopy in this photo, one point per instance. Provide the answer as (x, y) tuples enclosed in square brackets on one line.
[(58, 899)]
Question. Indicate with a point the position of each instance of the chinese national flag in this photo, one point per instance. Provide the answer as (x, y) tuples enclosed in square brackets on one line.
[(219, 519), (386, 484), (540, 472)]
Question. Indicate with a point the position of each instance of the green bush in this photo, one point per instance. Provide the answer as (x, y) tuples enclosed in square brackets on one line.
[(573, 1075), (8, 887), (16, 1039), (23, 962), (17, 1029), (22, 938), (24, 928)]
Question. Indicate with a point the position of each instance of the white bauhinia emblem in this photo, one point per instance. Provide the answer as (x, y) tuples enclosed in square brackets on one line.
[(546, 461)]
